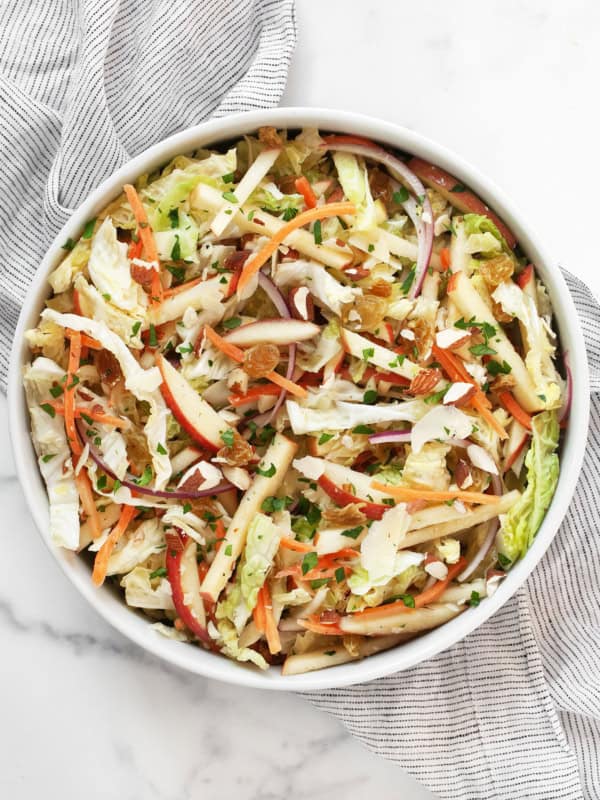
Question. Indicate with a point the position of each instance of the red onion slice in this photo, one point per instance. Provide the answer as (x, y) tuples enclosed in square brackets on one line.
[(565, 410), (129, 481), (494, 524), (278, 300), (398, 169), (389, 437)]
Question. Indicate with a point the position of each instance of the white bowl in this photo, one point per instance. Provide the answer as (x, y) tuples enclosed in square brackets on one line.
[(194, 659)]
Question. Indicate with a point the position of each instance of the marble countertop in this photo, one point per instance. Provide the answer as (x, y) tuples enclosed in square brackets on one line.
[(88, 714)]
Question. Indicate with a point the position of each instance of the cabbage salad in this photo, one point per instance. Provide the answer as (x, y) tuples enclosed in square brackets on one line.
[(296, 400)]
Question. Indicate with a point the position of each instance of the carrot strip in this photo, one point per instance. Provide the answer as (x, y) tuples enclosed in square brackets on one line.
[(97, 416), (259, 613), (457, 372), (103, 555), (512, 406), (297, 547), (403, 493), (236, 354), (181, 288), (147, 238), (304, 188), (253, 394), (423, 599), (86, 495), (270, 628), (86, 341), (445, 258), (254, 264), (69, 393), (220, 533)]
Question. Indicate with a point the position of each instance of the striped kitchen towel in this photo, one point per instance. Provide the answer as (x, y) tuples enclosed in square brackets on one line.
[(513, 711), (87, 84)]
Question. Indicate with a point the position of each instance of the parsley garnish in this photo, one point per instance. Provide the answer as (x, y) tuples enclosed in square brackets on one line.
[(158, 573), (504, 561), (145, 477), (317, 232), (267, 473), (436, 397), (318, 583), (363, 429), (482, 350), (271, 504), (116, 485), (48, 457), (177, 272), (187, 507), (135, 328), (474, 600), (228, 178), (370, 397), (353, 533), (230, 197), (176, 249), (174, 217), (495, 368), (69, 244), (56, 391), (160, 449), (458, 187), (368, 353), (309, 562), (228, 550), (234, 322), (340, 574), (401, 196), (289, 214), (408, 281), (88, 229), (228, 437), (152, 337), (48, 409), (408, 600), (101, 482), (325, 437)]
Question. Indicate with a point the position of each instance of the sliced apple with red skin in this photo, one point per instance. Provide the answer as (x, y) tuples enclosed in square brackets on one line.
[(334, 365), (342, 498), (465, 201), (193, 413), (182, 572), (515, 443), (272, 331)]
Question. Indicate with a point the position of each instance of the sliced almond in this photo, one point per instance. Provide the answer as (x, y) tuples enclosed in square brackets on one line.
[(301, 303), (481, 459), (458, 394), (451, 338), (437, 569), (462, 474)]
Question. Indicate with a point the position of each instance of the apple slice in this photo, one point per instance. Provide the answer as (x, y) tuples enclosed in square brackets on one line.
[(332, 478), (382, 357), (467, 202), (193, 413), (203, 296), (517, 437), (279, 455), (273, 331), (182, 572)]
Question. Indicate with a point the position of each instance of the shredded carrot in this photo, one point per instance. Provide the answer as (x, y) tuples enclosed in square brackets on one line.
[(271, 631), (135, 248), (259, 613), (103, 555), (313, 623), (181, 288), (86, 341), (445, 258), (456, 371), (236, 354), (97, 416), (304, 188), (423, 599), (255, 263), (403, 493), (326, 566), (253, 394), (452, 281), (220, 533), (76, 303), (512, 406), (86, 495), (147, 238), (297, 547), (69, 393)]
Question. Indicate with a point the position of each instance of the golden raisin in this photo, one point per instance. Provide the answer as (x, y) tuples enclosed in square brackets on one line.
[(495, 271), (260, 360), (501, 314), (503, 383), (238, 454), (380, 185), (380, 289), (348, 515), (424, 334), (370, 310), (268, 135)]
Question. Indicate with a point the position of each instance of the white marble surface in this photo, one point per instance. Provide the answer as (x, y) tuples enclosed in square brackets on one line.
[(512, 87)]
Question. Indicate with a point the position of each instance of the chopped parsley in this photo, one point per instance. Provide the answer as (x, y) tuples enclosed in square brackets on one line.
[(368, 353), (228, 178), (267, 473), (504, 561), (401, 196), (318, 583), (233, 322), (56, 391), (135, 328), (187, 507), (495, 368), (228, 550), (325, 437), (482, 350), (289, 214), (228, 437), (176, 249), (353, 533), (88, 229), (317, 232), (271, 504), (174, 217), (69, 244), (48, 457), (230, 197), (408, 281), (161, 449), (436, 396), (152, 337), (475, 599), (340, 574), (106, 296), (48, 409), (177, 272), (116, 485), (309, 562), (161, 572), (146, 476), (408, 600), (458, 188), (370, 397), (101, 482), (366, 429)]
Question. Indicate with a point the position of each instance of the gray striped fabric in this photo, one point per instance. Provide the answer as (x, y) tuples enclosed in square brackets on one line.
[(87, 84), (513, 711)]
